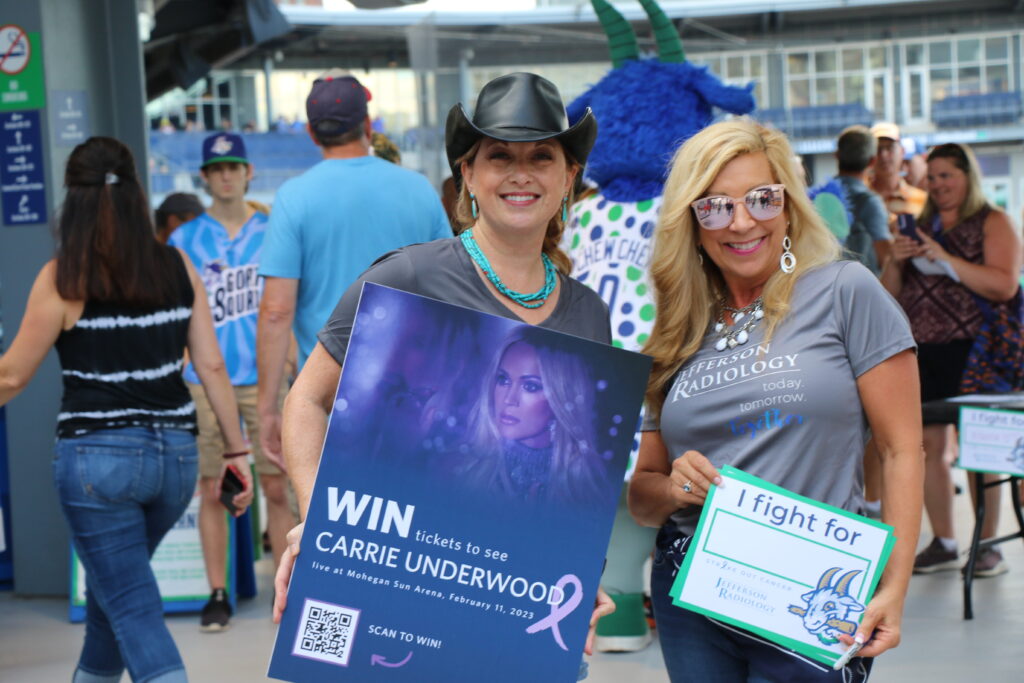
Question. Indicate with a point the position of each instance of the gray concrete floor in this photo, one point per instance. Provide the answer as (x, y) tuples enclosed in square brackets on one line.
[(38, 645)]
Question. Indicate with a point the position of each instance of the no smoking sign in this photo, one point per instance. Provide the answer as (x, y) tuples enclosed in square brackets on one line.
[(15, 49), (21, 70)]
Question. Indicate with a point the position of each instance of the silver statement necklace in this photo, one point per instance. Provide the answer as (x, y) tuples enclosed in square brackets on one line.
[(744, 320)]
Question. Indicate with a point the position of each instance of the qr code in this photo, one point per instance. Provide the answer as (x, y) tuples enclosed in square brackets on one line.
[(326, 632)]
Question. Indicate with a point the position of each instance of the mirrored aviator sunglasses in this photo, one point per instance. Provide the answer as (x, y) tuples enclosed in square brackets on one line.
[(717, 212)]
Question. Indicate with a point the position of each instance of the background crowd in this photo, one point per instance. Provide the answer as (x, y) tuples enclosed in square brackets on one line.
[(261, 298)]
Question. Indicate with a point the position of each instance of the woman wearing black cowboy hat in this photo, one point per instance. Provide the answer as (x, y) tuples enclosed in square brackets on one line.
[(517, 158)]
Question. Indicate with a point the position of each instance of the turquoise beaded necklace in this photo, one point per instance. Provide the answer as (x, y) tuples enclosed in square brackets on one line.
[(534, 300)]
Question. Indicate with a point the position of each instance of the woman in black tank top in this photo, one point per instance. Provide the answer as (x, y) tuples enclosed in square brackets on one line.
[(121, 309)]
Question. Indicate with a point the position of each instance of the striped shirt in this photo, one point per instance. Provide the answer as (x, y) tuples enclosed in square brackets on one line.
[(121, 366), (228, 268)]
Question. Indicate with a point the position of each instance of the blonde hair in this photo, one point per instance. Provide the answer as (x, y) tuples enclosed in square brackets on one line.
[(963, 158), (552, 237), (687, 292), (577, 469)]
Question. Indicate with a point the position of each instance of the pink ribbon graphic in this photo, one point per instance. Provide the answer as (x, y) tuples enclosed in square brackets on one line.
[(559, 612)]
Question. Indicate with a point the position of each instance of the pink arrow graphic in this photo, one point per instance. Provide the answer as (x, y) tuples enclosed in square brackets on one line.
[(379, 659)]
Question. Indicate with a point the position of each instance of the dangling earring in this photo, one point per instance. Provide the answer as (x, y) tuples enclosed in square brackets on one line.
[(700, 256), (472, 205), (788, 261), (565, 208)]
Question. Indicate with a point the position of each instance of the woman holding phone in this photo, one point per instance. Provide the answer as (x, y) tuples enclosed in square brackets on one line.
[(121, 308), (958, 266)]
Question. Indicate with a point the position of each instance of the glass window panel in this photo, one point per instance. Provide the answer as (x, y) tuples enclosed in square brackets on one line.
[(878, 96), (996, 49), (798, 63), (853, 89), (941, 84), (799, 93), (939, 53), (876, 57), (825, 62), (968, 80), (994, 164), (916, 96), (756, 66), (734, 67), (853, 60), (915, 54), (826, 91), (997, 78), (968, 50)]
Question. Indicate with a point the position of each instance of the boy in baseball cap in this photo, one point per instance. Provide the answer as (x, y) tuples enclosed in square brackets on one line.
[(225, 244)]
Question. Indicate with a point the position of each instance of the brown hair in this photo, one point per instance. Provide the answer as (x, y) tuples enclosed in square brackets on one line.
[(106, 246), (327, 139), (962, 157), (552, 237)]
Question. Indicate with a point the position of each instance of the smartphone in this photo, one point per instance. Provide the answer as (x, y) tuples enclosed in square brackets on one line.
[(908, 226), (231, 486)]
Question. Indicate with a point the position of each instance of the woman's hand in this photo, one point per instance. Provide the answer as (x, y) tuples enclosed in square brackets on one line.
[(284, 571), (692, 476), (931, 249), (603, 606), (879, 630), (904, 248), (241, 500)]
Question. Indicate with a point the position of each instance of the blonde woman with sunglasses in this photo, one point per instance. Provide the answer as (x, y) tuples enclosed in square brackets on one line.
[(774, 357)]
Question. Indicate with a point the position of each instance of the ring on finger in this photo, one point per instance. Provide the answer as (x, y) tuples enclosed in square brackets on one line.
[(688, 487)]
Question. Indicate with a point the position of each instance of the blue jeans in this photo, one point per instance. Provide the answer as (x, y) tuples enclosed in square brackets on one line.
[(696, 648), (121, 490)]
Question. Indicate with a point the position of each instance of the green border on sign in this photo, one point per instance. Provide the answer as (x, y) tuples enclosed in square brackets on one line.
[(703, 530), (960, 429)]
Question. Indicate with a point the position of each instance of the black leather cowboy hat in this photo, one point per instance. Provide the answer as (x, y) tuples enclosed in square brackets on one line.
[(519, 107)]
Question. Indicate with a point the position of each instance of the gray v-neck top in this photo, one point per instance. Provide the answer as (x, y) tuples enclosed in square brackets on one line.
[(788, 409), (443, 270)]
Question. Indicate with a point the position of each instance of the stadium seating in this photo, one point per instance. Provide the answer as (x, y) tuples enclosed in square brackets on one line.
[(968, 111), (275, 157), (815, 122)]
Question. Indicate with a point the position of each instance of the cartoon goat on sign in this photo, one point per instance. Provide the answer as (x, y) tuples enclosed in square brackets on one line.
[(829, 607), (1017, 454)]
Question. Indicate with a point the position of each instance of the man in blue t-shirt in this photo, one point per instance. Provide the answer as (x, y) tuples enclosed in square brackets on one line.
[(327, 227), (225, 244)]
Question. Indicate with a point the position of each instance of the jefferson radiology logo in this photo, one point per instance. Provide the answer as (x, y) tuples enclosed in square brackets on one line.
[(713, 373), (233, 292)]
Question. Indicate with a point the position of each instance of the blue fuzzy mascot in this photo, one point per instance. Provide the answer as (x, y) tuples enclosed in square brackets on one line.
[(646, 109)]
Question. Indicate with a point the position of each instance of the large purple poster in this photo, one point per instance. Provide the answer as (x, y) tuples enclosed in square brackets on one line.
[(464, 500)]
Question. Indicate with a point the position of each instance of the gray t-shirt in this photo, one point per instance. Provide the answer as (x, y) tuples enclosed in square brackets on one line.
[(870, 222), (443, 270), (788, 410)]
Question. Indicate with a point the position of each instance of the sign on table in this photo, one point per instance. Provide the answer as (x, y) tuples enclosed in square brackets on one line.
[(992, 441)]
